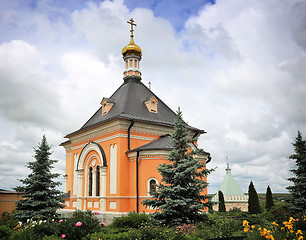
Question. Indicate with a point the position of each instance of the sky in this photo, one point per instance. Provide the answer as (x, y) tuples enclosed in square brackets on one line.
[(236, 68)]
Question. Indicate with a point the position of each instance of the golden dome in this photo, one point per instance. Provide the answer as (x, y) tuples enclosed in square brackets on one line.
[(132, 48)]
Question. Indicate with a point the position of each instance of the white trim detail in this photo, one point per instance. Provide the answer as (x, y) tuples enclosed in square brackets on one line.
[(89, 147), (113, 137), (75, 175), (113, 205), (113, 169), (148, 184)]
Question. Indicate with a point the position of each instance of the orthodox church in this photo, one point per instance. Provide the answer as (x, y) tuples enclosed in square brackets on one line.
[(233, 195), (112, 160)]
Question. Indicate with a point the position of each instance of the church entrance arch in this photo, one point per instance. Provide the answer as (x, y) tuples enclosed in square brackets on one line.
[(91, 170)]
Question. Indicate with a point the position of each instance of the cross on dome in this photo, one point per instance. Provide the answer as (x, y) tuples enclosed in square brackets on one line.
[(132, 24)]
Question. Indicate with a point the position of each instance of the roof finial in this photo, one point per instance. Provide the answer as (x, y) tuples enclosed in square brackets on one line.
[(150, 85), (227, 161), (132, 24)]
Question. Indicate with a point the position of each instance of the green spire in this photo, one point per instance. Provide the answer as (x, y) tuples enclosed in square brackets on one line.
[(229, 185)]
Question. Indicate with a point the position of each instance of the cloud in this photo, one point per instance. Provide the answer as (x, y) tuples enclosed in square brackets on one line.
[(236, 69)]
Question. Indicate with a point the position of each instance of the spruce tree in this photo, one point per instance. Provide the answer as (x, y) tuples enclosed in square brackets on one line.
[(179, 197), (221, 202), (253, 201), (269, 199), (298, 190), (41, 199)]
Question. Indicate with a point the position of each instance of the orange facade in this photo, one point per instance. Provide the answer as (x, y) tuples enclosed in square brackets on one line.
[(106, 148)]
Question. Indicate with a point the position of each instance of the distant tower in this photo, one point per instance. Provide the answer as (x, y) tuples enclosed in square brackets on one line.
[(233, 195)]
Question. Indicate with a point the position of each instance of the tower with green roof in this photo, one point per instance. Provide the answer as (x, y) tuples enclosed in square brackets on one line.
[(233, 195)]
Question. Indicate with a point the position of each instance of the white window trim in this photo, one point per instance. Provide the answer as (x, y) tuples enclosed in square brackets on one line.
[(148, 185)]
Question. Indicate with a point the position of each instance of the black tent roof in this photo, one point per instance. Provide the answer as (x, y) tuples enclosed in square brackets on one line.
[(129, 103)]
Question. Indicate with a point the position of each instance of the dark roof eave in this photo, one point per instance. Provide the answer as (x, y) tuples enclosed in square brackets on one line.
[(64, 143), (130, 118), (148, 149)]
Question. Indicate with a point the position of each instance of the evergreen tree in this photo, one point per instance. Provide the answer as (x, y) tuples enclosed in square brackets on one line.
[(253, 201), (298, 190), (269, 199), (178, 198), (221, 202), (40, 198)]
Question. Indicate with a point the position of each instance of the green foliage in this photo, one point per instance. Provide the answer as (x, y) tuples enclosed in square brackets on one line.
[(298, 190), (148, 231), (221, 202), (40, 199), (52, 237), (235, 210), (132, 220), (5, 232), (269, 199), (253, 201), (8, 220), (54, 229), (220, 225), (178, 196), (90, 224)]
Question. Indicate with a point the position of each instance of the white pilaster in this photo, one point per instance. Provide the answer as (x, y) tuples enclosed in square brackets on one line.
[(113, 169), (103, 171)]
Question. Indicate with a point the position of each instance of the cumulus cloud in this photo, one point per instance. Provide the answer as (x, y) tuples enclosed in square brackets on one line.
[(236, 69)]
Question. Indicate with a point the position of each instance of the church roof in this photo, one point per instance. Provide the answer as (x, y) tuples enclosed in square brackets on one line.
[(164, 142), (229, 185), (129, 103)]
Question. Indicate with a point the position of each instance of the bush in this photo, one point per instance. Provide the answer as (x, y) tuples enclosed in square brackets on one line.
[(9, 220), (5, 232), (88, 223), (52, 237), (220, 225), (132, 220)]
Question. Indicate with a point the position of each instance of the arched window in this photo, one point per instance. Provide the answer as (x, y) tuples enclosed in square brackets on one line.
[(90, 182), (153, 185), (98, 181)]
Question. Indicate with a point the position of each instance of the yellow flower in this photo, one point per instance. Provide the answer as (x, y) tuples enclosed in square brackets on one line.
[(299, 232), (259, 229), (252, 226), (291, 231), (245, 229), (300, 238), (245, 223)]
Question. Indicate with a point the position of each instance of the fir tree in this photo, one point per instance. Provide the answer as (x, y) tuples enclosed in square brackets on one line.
[(179, 197), (40, 197), (221, 202), (298, 190), (253, 201), (269, 199)]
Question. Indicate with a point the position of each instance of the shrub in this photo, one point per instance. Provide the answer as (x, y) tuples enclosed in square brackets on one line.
[(9, 220), (132, 220), (88, 223), (235, 210), (5, 232), (52, 237), (220, 225)]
